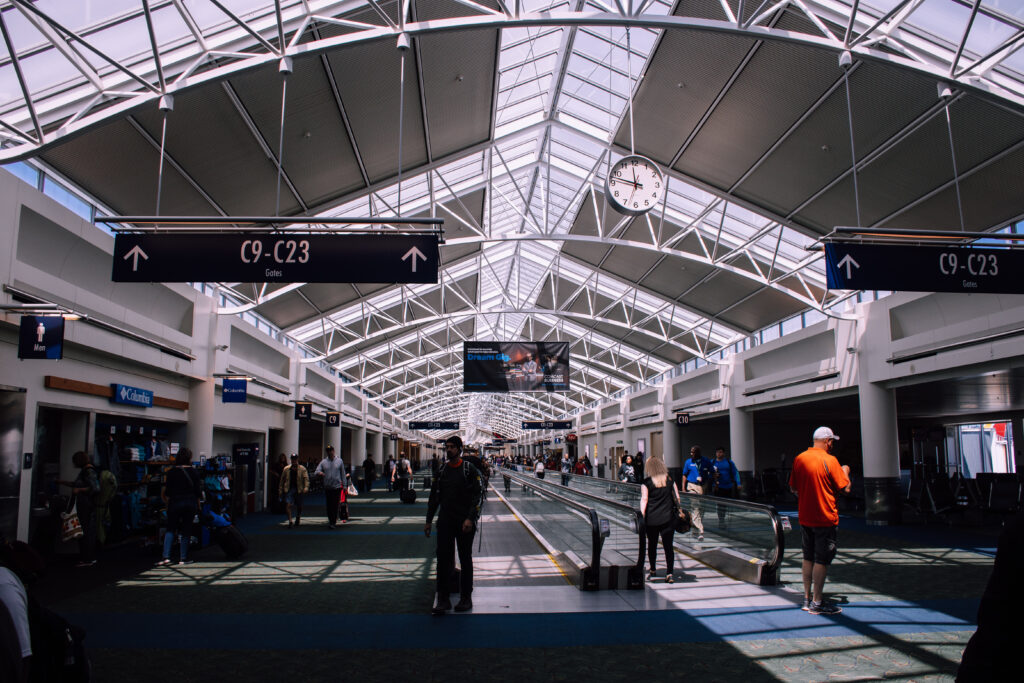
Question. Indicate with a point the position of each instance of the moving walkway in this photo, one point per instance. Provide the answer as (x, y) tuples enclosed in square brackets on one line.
[(740, 539)]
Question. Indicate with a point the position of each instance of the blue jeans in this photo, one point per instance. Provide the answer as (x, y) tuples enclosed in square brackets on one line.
[(180, 512)]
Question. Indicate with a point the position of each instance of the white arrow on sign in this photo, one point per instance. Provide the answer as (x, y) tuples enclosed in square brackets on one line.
[(414, 253), (850, 264), (134, 254)]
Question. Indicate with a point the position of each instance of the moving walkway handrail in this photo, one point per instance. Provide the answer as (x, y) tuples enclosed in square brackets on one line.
[(595, 520), (634, 514)]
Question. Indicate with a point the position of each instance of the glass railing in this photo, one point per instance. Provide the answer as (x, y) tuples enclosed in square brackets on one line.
[(569, 530), (739, 538)]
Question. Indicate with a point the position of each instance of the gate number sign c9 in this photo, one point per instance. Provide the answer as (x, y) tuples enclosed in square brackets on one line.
[(282, 251), (275, 257)]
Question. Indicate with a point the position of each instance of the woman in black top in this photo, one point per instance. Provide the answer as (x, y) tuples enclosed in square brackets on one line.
[(658, 496), (181, 493)]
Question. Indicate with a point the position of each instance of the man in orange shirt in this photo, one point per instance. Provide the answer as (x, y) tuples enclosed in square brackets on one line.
[(815, 479)]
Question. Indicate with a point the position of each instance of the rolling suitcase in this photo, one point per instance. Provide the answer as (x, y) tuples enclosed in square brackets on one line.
[(407, 495)]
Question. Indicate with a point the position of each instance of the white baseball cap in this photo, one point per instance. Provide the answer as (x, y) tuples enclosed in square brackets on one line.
[(823, 433)]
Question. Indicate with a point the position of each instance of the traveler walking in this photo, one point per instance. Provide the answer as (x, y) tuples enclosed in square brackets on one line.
[(627, 473), (816, 478), (403, 473), (658, 497), (566, 469), (181, 493), (369, 472), (294, 485), (727, 480), (389, 476), (696, 475), (458, 494), (332, 471)]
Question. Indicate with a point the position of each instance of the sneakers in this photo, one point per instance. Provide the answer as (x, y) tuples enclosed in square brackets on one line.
[(806, 606), (188, 561), (700, 538), (443, 605), (290, 525), (823, 607), (164, 562), (298, 521), (464, 605)]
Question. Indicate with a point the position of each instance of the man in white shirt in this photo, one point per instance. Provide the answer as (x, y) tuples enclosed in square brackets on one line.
[(332, 470)]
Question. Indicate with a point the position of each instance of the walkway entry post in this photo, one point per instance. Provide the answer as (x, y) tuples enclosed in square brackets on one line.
[(878, 434)]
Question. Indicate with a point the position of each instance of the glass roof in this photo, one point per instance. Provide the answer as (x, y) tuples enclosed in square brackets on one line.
[(562, 93)]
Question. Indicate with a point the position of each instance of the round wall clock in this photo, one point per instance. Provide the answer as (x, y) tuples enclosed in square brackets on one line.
[(634, 185)]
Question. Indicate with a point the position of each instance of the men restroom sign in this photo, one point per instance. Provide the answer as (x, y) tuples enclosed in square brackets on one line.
[(41, 336)]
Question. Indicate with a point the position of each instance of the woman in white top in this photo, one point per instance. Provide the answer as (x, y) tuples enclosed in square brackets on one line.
[(539, 468)]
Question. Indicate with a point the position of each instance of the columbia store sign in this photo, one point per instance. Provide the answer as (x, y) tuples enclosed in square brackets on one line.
[(131, 396)]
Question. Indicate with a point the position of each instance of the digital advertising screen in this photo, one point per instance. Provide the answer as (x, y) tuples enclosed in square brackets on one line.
[(515, 366)]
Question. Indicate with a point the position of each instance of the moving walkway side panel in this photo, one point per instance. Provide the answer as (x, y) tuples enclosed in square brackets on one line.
[(569, 531), (618, 528)]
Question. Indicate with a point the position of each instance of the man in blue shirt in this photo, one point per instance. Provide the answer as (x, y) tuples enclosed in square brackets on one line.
[(727, 480), (696, 475)]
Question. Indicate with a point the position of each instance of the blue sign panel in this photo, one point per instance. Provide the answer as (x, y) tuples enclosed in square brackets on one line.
[(923, 268), (131, 396), (550, 424), (333, 419), (234, 390), (41, 337)]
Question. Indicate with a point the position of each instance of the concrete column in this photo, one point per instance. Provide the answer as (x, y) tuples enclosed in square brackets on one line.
[(332, 437), (670, 443), (358, 454), (201, 405), (290, 433), (741, 446), (377, 447), (878, 435)]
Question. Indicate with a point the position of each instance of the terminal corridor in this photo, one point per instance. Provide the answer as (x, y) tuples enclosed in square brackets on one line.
[(313, 604)]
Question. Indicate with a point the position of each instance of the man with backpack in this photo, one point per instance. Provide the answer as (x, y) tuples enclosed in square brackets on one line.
[(458, 493), (727, 480), (403, 474)]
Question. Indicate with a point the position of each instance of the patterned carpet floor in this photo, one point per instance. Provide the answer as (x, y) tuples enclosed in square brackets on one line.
[(316, 604)]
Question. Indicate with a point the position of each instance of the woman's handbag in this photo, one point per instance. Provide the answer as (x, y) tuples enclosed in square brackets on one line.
[(681, 520), (71, 526)]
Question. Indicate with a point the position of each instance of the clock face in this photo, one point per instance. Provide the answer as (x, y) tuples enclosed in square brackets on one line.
[(634, 185)]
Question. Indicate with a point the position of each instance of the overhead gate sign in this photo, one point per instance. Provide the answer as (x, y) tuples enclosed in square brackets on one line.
[(275, 257)]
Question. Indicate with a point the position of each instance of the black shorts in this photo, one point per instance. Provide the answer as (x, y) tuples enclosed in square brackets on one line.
[(819, 543)]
